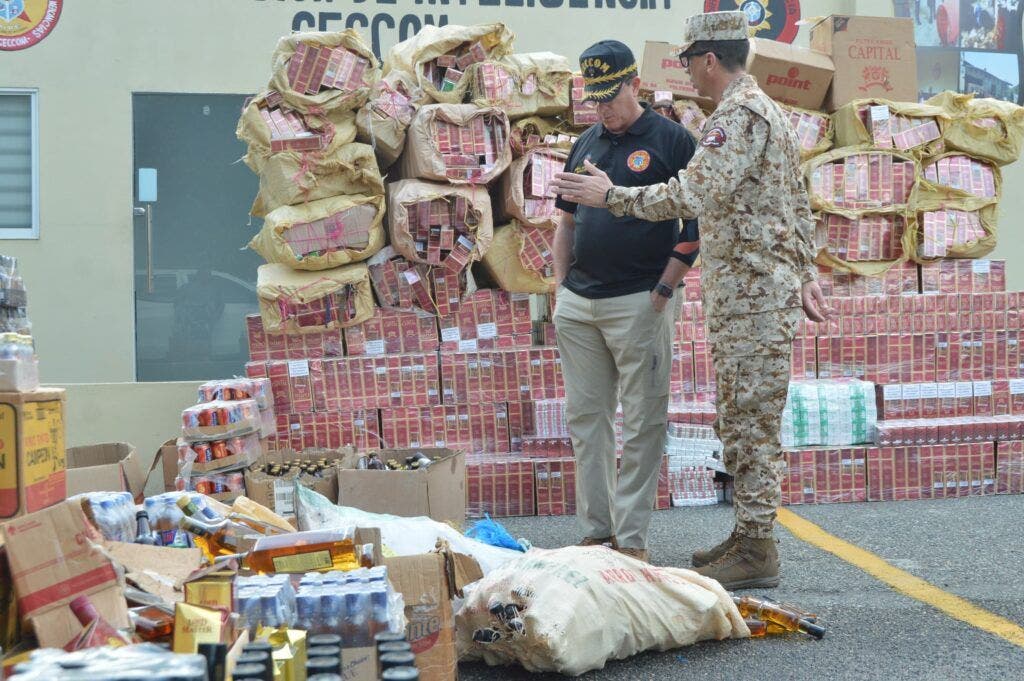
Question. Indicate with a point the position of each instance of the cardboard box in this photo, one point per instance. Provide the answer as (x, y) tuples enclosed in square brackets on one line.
[(108, 467), (873, 57), (159, 570), (825, 476), (32, 459), (660, 69), (427, 583), (278, 493), (500, 486), (54, 558), (788, 74), (439, 492), (19, 375)]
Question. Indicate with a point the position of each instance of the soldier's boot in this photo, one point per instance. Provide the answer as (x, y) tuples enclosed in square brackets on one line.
[(748, 564), (702, 558)]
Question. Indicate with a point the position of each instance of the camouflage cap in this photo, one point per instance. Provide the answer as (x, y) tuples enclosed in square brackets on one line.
[(713, 26)]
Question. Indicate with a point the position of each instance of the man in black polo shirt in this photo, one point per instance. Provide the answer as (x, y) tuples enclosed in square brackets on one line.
[(613, 317)]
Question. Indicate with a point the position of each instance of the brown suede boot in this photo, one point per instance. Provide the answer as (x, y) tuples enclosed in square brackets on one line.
[(609, 542), (749, 564), (702, 558)]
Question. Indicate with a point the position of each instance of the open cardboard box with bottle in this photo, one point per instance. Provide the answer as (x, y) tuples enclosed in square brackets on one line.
[(437, 491)]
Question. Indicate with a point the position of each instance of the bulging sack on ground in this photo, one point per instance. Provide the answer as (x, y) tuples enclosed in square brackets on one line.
[(323, 234), (535, 84), (383, 120), (457, 143), (438, 57), (866, 200), (526, 192), (988, 128), (293, 301), (520, 259), (440, 224), (957, 205), (909, 127), (814, 130), (289, 180), (319, 72), (570, 610)]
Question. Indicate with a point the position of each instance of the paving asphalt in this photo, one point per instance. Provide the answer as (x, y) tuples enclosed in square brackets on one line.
[(972, 547)]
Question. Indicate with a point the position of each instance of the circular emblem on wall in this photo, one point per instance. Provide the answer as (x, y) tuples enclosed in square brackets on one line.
[(772, 19), (638, 161), (23, 23)]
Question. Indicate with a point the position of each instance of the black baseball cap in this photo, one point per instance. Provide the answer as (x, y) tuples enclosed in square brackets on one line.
[(606, 65)]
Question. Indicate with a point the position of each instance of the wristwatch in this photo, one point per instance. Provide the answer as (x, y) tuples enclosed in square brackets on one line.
[(663, 290)]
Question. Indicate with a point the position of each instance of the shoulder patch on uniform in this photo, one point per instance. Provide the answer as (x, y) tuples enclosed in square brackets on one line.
[(715, 137), (639, 160)]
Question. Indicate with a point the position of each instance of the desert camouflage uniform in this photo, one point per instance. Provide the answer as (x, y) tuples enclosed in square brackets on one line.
[(744, 185)]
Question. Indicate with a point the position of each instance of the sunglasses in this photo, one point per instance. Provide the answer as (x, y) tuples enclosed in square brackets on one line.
[(685, 59)]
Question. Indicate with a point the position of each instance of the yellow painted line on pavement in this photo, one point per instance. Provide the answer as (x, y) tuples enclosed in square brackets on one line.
[(901, 580)]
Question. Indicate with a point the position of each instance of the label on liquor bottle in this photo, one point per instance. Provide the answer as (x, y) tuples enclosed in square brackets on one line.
[(303, 562)]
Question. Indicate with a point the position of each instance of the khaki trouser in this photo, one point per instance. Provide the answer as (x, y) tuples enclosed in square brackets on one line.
[(615, 350), (751, 354)]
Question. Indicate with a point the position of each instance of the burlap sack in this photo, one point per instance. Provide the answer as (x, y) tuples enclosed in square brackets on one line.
[(513, 191), (278, 285), (570, 610), (329, 99), (289, 179), (504, 263), (338, 126), (539, 85), (431, 42), (382, 121), (273, 244), (906, 211), (932, 196), (987, 128), (851, 131), (524, 128), (404, 193), (691, 117), (423, 160), (808, 148)]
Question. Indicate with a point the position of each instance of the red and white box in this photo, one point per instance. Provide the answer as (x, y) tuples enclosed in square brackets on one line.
[(499, 486), (327, 430), (353, 383), (825, 476), (291, 382), (555, 483), (930, 471), (539, 373), (265, 346), (520, 423), (488, 319), (1010, 467), (483, 376), (393, 331)]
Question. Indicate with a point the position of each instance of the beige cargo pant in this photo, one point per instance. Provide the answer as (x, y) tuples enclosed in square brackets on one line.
[(615, 350), (752, 355)]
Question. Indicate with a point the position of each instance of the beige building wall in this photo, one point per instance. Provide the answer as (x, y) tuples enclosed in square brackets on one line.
[(80, 271)]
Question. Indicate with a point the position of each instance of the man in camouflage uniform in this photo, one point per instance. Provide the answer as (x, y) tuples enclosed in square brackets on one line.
[(744, 185)]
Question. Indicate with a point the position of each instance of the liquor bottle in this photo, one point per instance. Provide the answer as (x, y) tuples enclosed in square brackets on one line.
[(773, 612), (313, 551), (152, 622), (145, 533), (760, 628), (216, 539)]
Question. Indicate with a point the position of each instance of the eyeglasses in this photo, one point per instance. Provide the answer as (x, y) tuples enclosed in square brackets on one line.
[(685, 59)]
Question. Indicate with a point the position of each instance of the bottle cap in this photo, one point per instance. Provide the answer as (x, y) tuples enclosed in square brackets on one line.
[(323, 640), (389, 660), (393, 647)]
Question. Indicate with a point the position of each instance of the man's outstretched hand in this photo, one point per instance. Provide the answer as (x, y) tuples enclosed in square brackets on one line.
[(589, 190), (815, 306)]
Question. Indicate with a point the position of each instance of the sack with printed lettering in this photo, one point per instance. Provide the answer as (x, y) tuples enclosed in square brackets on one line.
[(571, 610)]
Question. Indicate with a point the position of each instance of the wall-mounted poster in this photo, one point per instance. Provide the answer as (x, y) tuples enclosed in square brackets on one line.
[(967, 45)]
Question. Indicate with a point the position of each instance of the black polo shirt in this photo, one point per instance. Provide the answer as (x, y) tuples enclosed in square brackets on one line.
[(617, 256)]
